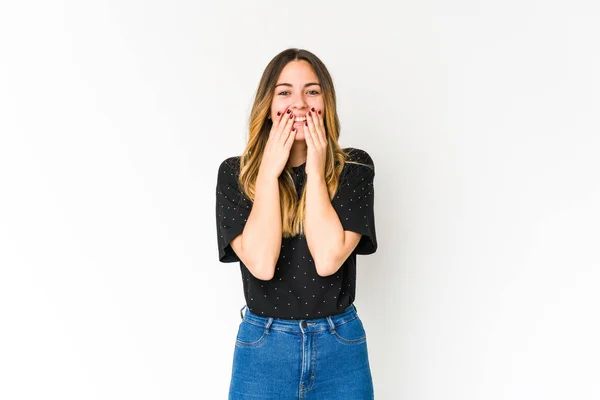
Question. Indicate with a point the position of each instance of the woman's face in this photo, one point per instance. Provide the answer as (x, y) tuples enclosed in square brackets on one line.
[(297, 89)]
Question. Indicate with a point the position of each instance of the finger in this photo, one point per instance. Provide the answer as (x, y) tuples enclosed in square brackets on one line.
[(280, 117), (291, 137), (320, 137), (283, 133), (321, 124), (308, 135), (312, 129)]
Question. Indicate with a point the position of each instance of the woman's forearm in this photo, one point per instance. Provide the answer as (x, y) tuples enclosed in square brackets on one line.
[(261, 239), (324, 231)]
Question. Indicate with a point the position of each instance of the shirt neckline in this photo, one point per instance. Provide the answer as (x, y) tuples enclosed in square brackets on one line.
[(299, 166)]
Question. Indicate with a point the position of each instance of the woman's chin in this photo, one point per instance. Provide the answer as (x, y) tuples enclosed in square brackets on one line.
[(299, 134)]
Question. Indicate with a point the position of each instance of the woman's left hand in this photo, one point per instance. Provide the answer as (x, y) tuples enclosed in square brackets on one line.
[(314, 135)]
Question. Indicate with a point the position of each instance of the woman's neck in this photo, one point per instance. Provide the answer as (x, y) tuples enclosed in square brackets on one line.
[(297, 155)]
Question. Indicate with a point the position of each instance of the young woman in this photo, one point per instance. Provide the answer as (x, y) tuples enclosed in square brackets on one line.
[(294, 210)]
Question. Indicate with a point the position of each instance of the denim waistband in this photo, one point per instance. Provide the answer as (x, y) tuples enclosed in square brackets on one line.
[(300, 325)]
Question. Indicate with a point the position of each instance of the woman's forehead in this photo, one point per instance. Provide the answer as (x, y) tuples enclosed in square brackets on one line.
[(297, 73)]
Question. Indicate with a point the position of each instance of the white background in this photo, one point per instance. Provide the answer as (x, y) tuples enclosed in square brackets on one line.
[(482, 120)]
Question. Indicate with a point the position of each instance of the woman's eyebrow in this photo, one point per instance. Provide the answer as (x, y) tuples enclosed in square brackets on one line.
[(290, 85)]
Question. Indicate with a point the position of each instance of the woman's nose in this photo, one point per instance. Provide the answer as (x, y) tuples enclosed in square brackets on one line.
[(298, 102)]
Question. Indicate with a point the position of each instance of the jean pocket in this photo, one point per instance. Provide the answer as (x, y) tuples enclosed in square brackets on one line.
[(250, 335), (352, 332)]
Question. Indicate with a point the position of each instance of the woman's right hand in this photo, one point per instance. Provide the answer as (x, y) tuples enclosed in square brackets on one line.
[(277, 150)]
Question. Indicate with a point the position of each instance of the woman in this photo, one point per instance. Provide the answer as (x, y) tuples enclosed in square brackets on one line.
[(294, 210)]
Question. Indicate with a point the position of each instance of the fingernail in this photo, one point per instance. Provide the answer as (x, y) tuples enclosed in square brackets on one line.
[(319, 112), (293, 129), (291, 116), (309, 113), (278, 113), (313, 109), (289, 111), (306, 123)]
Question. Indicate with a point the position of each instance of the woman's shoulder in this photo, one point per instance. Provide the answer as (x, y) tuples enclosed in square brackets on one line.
[(359, 158), (356, 154), (231, 163), (229, 168)]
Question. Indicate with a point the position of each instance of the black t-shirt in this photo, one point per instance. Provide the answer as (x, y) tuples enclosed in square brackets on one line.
[(296, 291)]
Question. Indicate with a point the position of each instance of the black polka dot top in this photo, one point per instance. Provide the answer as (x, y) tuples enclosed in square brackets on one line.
[(296, 291)]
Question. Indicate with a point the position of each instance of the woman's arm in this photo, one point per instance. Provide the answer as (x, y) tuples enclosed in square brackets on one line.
[(329, 244), (258, 246)]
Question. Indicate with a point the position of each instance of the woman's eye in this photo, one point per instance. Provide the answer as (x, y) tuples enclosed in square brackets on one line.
[(310, 91)]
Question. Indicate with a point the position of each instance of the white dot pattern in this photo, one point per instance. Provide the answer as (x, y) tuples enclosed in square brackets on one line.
[(296, 290)]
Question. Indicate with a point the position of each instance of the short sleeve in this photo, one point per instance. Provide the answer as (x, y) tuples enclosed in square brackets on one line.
[(232, 208), (354, 200)]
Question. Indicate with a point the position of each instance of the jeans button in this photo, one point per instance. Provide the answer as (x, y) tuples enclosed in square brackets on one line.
[(303, 323)]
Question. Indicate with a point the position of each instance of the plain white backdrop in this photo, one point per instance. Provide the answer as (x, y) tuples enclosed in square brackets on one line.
[(482, 120)]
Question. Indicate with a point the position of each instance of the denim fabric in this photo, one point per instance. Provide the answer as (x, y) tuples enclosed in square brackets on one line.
[(324, 358)]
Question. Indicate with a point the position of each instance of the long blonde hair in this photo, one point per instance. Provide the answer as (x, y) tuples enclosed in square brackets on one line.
[(292, 208)]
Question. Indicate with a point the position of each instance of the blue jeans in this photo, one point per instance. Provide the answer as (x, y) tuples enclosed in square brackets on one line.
[(323, 358)]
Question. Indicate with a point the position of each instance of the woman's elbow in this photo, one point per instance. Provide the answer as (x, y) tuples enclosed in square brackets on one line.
[(326, 268), (263, 270)]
